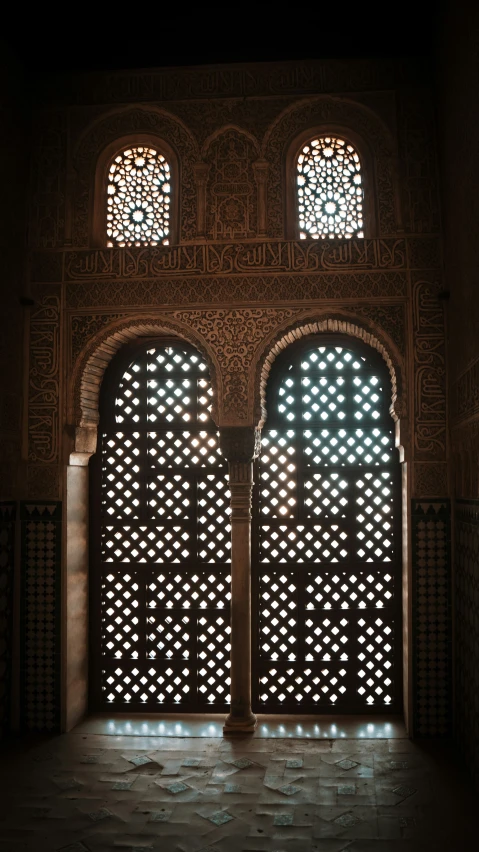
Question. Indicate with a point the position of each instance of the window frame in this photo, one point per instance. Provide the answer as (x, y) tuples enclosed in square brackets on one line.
[(367, 171), (100, 196)]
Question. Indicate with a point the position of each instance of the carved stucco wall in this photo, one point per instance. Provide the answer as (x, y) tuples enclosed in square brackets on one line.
[(236, 300), (14, 158), (459, 140)]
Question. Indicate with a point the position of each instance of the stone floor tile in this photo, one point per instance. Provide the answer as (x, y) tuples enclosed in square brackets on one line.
[(361, 746), (55, 793), (300, 746), (402, 747)]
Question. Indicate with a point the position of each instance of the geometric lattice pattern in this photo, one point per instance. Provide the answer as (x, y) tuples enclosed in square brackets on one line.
[(466, 573), (329, 188), (7, 541), (138, 193), (164, 543), (40, 628), (432, 616), (327, 571)]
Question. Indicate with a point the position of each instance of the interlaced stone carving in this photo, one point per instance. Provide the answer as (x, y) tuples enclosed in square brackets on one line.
[(231, 207), (138, 205), (330, 192), (165, 537), (327, 568)]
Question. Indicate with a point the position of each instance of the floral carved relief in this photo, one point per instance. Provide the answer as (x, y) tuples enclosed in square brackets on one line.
[(234, 335), (231, 207)]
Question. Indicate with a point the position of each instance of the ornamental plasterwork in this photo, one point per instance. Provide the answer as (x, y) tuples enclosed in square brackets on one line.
[(272, 256), (314, 113), (238, 289), (430, 371), (114, 126)]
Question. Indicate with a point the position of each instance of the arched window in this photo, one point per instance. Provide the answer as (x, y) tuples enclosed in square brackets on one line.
[(326, 566), (329, 187), (160, 568), (138, 198)]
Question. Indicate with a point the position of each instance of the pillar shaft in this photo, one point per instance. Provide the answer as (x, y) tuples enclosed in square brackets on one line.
[(241, 718), (201, 171)]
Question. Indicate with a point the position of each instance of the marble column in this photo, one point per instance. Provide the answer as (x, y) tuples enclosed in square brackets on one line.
[(239, 446)]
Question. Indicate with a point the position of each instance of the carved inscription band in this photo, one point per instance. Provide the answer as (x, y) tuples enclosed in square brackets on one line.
[(225, 258)]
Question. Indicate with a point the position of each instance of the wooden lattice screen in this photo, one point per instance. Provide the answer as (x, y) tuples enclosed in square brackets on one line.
[(326, 543), (161, 537)]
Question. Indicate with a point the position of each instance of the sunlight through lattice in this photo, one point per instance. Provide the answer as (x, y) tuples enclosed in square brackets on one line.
[(138, 198), (330, 191), (327, 558), (165, 538)]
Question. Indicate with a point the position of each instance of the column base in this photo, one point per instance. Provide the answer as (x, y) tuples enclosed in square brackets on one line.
[(240, 724)]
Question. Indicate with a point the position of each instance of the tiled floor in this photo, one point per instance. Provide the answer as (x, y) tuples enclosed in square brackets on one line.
[(90, 792)]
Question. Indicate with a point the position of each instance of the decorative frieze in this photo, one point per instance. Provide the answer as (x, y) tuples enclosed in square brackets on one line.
[(271, 256), (253, 258), (240, 81), (235, 288), (430, 372), (44, 378)]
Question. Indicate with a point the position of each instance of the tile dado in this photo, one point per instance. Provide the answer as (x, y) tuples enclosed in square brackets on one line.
[(466, 582), (432, 639), (40, 615), (7, 548)]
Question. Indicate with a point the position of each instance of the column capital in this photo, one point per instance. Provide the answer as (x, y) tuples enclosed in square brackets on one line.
[(260, 169), (241, 488), (240, 444), (201, 171)]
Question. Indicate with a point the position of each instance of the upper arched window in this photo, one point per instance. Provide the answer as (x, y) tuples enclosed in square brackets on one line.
[(138, 198), (330, 192)]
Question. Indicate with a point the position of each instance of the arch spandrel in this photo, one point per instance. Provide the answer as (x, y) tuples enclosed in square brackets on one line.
[(239, 345)]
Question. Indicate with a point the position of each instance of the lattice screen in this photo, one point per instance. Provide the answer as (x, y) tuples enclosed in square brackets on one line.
[(326, 543), (164, 539)]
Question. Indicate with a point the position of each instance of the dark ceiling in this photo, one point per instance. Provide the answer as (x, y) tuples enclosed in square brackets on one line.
[(153, 37)]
